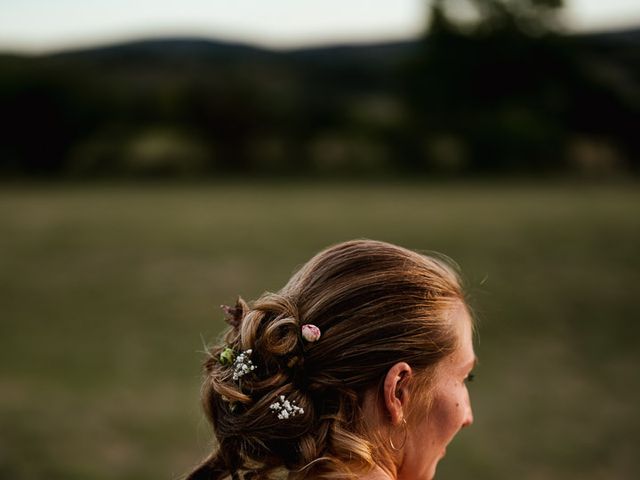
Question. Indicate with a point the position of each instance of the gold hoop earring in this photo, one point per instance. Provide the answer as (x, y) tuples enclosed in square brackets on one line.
[(404, 438)]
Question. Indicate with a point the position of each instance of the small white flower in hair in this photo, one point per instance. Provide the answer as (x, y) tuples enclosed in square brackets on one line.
[(310, 333), (286, 408), (242, 364)]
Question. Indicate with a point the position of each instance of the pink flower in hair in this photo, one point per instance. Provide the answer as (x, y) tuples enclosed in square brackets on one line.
[(310, 333)]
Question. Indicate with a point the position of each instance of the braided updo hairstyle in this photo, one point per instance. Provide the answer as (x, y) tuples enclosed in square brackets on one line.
[(376, 304)]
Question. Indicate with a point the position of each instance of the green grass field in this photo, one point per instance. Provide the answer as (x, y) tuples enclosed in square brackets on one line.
[(107, 292)]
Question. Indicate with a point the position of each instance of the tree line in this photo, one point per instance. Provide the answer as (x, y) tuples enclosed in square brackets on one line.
[(505, 92)]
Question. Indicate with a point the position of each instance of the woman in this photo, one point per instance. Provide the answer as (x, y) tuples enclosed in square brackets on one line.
[(357, 368)]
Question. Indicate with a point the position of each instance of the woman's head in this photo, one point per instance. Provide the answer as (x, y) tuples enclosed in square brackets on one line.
[(393, 324), (428, 417)]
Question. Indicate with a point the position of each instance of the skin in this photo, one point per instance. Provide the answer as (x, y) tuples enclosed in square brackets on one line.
[(427, 435)]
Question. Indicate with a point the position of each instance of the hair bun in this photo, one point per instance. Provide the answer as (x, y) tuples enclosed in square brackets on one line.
[(271, 327)]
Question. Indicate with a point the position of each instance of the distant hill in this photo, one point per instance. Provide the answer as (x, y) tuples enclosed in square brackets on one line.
[(210, 49), (630, 36), (193, 56)]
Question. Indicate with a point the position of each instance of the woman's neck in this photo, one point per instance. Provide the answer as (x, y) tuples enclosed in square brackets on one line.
[(377, 474)]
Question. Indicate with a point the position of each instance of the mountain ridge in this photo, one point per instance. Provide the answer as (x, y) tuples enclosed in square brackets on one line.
[(212, 45)]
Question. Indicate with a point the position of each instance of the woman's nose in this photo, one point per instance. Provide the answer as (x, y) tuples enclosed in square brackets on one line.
[(468, 417)]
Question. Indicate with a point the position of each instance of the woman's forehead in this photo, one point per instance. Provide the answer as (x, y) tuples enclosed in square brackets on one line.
[(463, 323)]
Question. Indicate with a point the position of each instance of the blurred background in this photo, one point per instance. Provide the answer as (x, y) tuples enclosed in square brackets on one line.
[(157, 160)]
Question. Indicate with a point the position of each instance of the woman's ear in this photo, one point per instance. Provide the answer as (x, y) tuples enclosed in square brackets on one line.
[(396, 392)]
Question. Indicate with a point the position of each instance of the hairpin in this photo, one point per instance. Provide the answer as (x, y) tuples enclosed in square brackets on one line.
[(234, 315), (227, 356), (285, 408), (310, 333), (242, 364)]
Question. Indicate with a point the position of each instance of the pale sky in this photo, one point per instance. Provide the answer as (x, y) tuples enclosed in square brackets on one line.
[(36, 26)]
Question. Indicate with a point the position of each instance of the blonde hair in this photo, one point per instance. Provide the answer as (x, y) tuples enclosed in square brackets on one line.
[(376, 304)]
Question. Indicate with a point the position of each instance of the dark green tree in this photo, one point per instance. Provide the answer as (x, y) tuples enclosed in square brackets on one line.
[(490, 84)]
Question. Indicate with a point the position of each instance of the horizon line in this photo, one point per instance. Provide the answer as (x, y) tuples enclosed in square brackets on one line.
[(122, 40)]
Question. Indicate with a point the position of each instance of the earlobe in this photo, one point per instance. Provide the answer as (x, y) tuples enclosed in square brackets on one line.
[(396, 393)]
